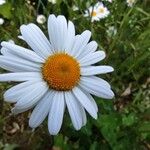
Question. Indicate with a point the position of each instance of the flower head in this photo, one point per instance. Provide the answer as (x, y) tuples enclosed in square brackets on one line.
[(109, 1), (130, 3), (1, 21), (75, 8), (102, 10), (58, 73), (97, 12), (41, 19), (92, 12), (52, 1), (2, 2)]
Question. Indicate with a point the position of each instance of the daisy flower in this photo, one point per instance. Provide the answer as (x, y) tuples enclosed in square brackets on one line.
[(75, 8), (58, 73), (92, 12), (1, 21), (41, 19), (130, 3), (97, 12), (2, 2), (101, 10), (109, 1), (52, 1)]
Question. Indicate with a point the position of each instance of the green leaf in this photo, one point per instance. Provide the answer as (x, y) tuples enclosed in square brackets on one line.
[(5, 10), (59, 141), (10, 146), (145, 127), (128, 120)]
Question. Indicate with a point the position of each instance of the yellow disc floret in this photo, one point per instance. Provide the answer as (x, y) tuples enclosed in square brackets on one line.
[(93, 14), (61, 71), (101, 10)]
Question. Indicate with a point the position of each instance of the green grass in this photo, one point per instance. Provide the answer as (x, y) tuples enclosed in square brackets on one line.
[(124, 122)]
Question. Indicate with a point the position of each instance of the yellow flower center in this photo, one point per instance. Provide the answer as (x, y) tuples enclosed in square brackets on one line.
[(94, 14), (101, 10), (61, 71)]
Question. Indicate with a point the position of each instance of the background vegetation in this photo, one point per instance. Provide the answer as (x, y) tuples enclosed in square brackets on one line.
[(124, 122)]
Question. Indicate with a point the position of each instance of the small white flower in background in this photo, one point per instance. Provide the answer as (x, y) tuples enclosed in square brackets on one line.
[(130, 3), (99, 11), (41, 19), (2, 2), (102, 11), (111, 31), (109, 1), (56, 74), (75, 8), (52, 1), (92, 12), (1, 21)]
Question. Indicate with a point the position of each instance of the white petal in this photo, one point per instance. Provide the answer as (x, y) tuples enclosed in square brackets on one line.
[(97, 80), (41, 110), (52, 25), (96, 87), (92, 58), (15, 64), (92, 100), (12, 95), (4, 51), (80, 43), (32, 95), (56, 114), (57, 29), (74, 110), (70, 37), (85, 101), (36, 40), (84, 118), (21, 76), (21, 37), (62, 29), (89, 48), (93, 70), (20, 52), (16, 111)]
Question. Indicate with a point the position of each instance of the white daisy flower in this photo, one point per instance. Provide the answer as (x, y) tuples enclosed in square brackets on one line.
[(130, 3), (58, 73), (97, 12), (2, 2), (75, 8), (1, 21), (41, 19), (52, 1), (109, 1), (92, 12), (101, 10)]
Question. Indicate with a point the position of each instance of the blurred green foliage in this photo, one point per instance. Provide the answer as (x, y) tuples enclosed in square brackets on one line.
[(124, 123)]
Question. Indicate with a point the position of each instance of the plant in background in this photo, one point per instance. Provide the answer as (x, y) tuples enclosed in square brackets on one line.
[(111, 31)]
